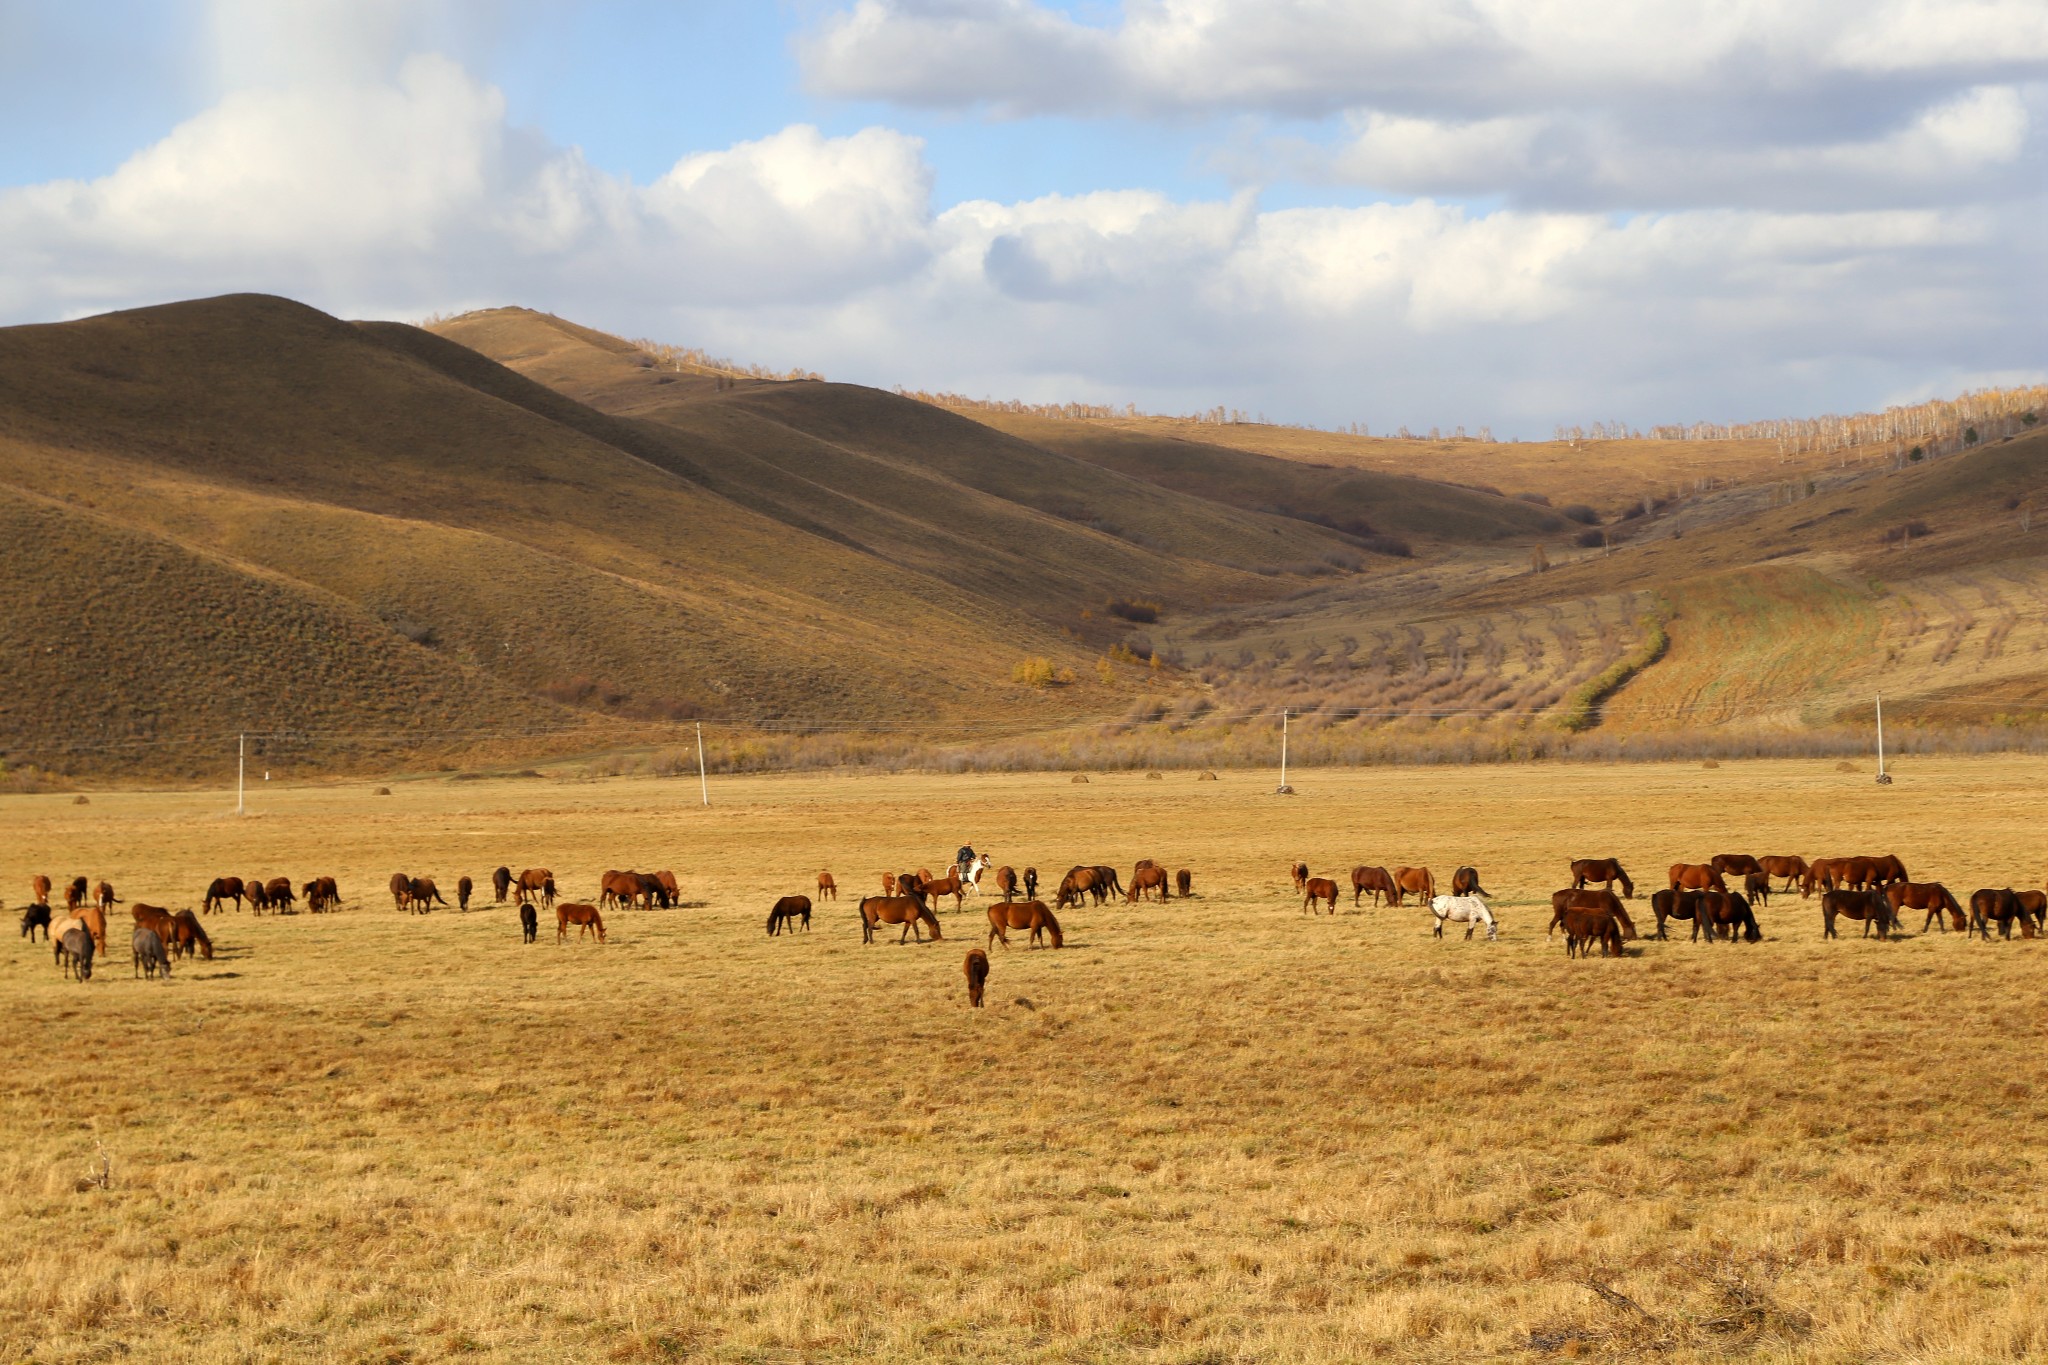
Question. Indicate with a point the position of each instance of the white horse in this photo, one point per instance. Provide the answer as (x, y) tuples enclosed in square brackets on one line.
[(1469, 911), (970, 873)]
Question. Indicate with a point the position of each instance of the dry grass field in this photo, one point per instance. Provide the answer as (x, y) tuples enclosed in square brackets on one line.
[(1217, 1132)]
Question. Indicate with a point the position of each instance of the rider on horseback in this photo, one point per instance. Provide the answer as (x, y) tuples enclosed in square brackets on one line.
[(963, 861)]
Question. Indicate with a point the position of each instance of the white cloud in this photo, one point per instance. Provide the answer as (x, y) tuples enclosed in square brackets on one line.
[(411, 194)]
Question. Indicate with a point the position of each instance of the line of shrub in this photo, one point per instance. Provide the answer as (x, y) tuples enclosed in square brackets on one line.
[(1582, 707)]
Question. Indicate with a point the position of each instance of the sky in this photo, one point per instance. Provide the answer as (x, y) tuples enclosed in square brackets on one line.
[(1502, 213)]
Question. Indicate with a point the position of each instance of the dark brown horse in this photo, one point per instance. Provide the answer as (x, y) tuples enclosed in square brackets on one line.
[(1030, 883), (401, 890), (1184, 883), (828, 890), (1757, 886), (1418, 880), (422, 895), (1112, 885), (1725, 914), (1319, 889), (1143, 880), (788, 912), (74, 896), (1603, 902), (1932, 897), (1583, 928), (976, 968), (1790, 866), (1667, 905), (278, 891), (463, 886), (501, 882), (103, 896), (221, 889), (2034, 905), (1734, 864), (904, 910), (583, 916), (187, 935), (2001, 906), (1868, 906), (1080, 882), (1696, 877), (1299, 872), (1378, 881), (1606, 871), (1004, 916), (1465, 882), (321, 894)]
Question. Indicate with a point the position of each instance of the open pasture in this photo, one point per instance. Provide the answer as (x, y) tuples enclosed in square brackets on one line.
[(1219, 1130)]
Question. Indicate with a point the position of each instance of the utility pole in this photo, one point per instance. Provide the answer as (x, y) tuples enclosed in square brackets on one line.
[(1884, 779), (241, 768), (703, 782), (1284, 789)]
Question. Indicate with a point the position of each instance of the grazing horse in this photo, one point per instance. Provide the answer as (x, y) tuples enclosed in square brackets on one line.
[(279, 892), (1004, 916), (1726, 912), (221, 889), (1868, 906), (1884, 869), (425, 895), (1583, 928), (1377, 880), (532, 882), (1030, 883), (463, 886), (1075, 885), (1107, 879), (1006, 881), (529, 923), (74, 895), (1734, 864), (976, 968), (1606, 871), (1757, 886), (1932, 897), (1601, 902), (787, 912), (1149, 879), (907, 911), (36, 917), (74, 953), (1790, 866), (2034, 905), (254, 892), (150, 957), (584, 916), (95, 922), (1184, 883), (1696, 877), (501, 882), (103, 896), (187, 934), (1299, 872), (401, 890), (320, 894), (1465, 882), (2003, 906), (1468, 910), (670, 885), (41, 886), (827, 888), (1419, 880), (1319, 889)]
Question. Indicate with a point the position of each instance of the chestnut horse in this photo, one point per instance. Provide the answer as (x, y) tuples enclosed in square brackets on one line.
[(1319, 889), (104, 896), (1606, 871), (401, 890), (1696, 877), (423, 895), (1377, 880), (1757, 886), (279, 892), (321, 894), (1418, 880), (1004, 916), (976, 968), (221, 889), (187, 935), (1184, 883), (41, 886), (584, 916), (95, 921), (1583, 928), (2034, 905), (1932, 897), (74, 896), (827, 888), (1868, 906), (948, 885), (534, 881), (1146, 879), (1465, 882), (1299, 872), (904, 910), (2003, 906), (1080, 882), (1734, 864), (888, 883), (788, 912), (1789, 866), (1006, 882), (1602, 902)]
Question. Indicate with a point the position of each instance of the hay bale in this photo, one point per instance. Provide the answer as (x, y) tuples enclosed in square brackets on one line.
[(1079, 777), (1845, 766), (1208, 777), (80, 801), (1711, 763), (381, 791), (1155, 777)]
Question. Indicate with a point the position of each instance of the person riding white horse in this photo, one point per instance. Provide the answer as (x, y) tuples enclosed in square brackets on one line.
[(970, 865), (1469, 911)]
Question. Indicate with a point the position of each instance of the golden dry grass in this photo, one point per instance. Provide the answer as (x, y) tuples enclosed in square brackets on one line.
[(1221, 1133)]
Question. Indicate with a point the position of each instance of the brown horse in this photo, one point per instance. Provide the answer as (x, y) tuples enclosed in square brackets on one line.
[(153, 917), (1734, 864), (1077, 884), (1107, 879), (74, 896), (1377, 880), (256, 891), (531, 882), (187, 935), (1602, 902), (401, 890), (630, 888), (1030, 883), (1299, 872), (1583, 928), (95, 921), (1143, 880), (278, 890), (976, 968), (788, 912), (1418, 880), (584, 916), (1006, 882), (948, 885), (1696, 877), (2034, 905), (221, 889), (103, 895), (904, 910), (463, 886), (501, 882), (888, 883), (1319, 889), (41, 886), (827, 888), (1868, 906), (1184, 883), (1004, 916), (423, 895), (674, 888), (1932, 897), (1787, 865), (1757, 886), (2003, 906), (1725, 913), (1885, 868), (1667, 904), (1465, 882), (1606, 871)]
